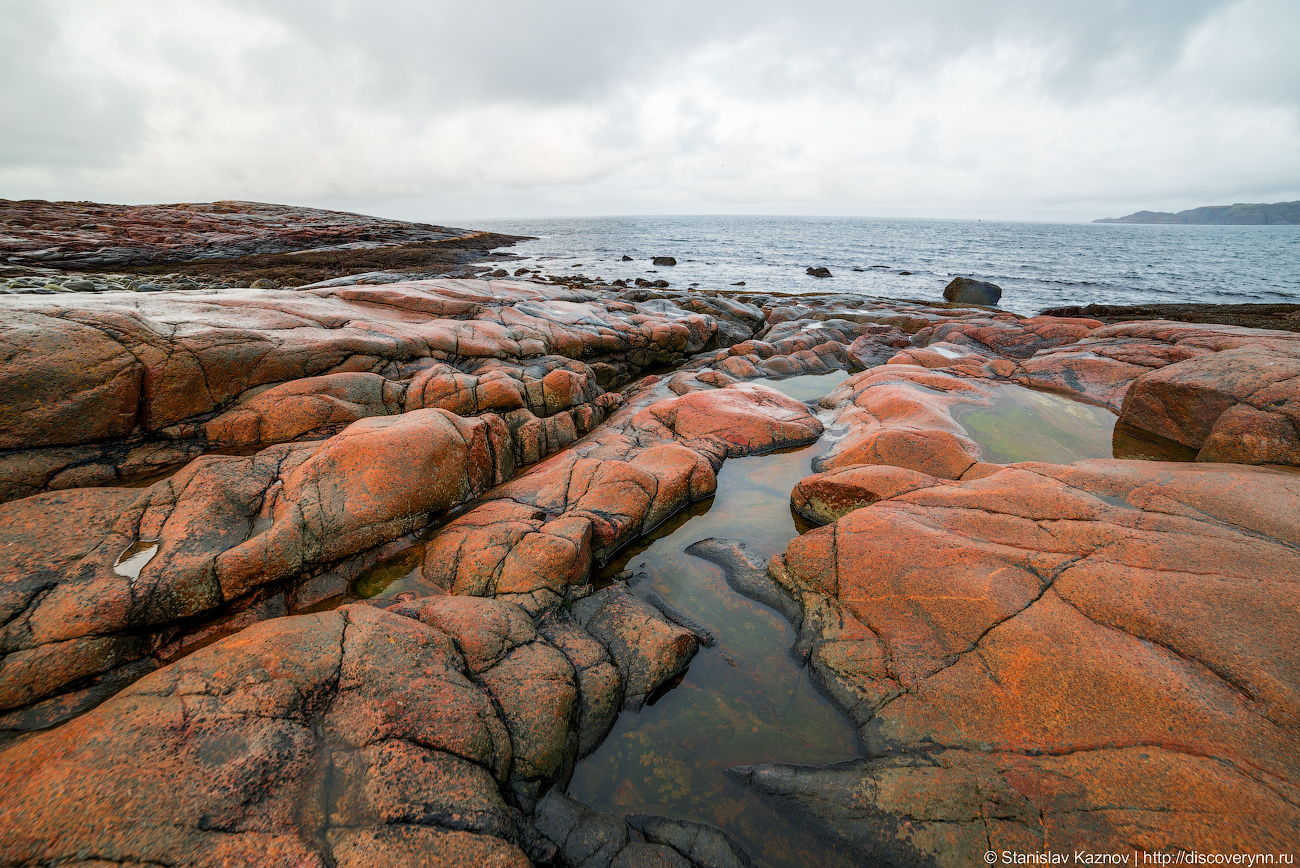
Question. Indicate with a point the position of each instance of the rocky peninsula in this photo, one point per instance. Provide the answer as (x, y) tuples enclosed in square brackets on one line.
[(1241, 214), (317, 576)]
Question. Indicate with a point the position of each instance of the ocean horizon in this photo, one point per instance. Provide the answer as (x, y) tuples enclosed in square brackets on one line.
[(1039, 265)]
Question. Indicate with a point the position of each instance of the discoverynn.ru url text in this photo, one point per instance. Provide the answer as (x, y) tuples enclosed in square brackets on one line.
[(1135, 858)]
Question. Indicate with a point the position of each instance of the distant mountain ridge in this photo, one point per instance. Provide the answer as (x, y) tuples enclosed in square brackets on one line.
[(1241, 214)]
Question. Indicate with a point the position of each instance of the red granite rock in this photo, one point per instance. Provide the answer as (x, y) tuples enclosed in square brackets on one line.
[(1103, 649), (648, 649), (223, 526), (343, 736), (1185, 402), (85, 234), (93, 383), (824, 497), (1011, 337), (286, 412), (901, 415), (741, 420)]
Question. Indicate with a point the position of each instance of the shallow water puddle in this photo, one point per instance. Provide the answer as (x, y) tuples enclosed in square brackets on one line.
[(808, 387), (1025, 425), (130, 562), (744, 701)]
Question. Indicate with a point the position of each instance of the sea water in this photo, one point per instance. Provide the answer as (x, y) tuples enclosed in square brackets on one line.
[(1038, 265)]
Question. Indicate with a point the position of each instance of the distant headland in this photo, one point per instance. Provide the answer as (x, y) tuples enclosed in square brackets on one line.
[(1241, 214)]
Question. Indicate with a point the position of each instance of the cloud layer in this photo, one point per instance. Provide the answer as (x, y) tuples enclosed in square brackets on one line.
[(433, 110)]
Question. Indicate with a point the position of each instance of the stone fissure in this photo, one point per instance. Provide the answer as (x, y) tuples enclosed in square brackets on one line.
[(685, 426)]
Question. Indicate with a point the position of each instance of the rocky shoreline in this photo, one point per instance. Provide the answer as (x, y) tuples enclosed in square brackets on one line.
[(198, 485), (51, 247)]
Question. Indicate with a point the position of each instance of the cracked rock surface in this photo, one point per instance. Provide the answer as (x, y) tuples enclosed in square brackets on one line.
[(1096, 654), (1099, 654)]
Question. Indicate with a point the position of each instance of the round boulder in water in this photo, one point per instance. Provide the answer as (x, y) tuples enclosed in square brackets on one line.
[(819, 271), (664, 260), (963, 290)]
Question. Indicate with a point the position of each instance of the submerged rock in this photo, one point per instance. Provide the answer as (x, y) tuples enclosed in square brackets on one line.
[(704, 845), (744, 574), (702, 634), (586, 838)]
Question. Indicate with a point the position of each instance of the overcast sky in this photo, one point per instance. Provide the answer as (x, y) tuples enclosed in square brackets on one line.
[(1019, 109)]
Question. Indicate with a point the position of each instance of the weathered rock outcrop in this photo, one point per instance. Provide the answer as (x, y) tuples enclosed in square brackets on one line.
[(1239, 403), (901, 415), (118, 385), (1033, 654), (1081, 656), (216, 531), (79, 234), (824, 497), (648, 649), (1227, 393), (538, 535), (273, 524), (352, 737)]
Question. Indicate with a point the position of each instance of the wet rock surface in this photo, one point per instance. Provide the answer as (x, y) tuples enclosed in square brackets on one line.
[(1282, 317), (1097, 649), (648, 648), (1092, 653)]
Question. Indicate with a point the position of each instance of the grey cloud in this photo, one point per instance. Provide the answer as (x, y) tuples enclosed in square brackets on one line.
[(445, 54), (53, 110), (570, 105)]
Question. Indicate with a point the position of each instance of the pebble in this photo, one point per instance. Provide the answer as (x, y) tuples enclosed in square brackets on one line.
[(81, 282)]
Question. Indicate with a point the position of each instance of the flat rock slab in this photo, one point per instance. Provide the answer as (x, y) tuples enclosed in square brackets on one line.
[(1098, 653)]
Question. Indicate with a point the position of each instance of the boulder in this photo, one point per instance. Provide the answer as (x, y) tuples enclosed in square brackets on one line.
[(1242, 402), (818, 271), (664, 260), (964, 290)]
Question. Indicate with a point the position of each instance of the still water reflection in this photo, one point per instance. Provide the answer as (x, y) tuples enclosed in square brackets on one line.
[(743, 701)]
